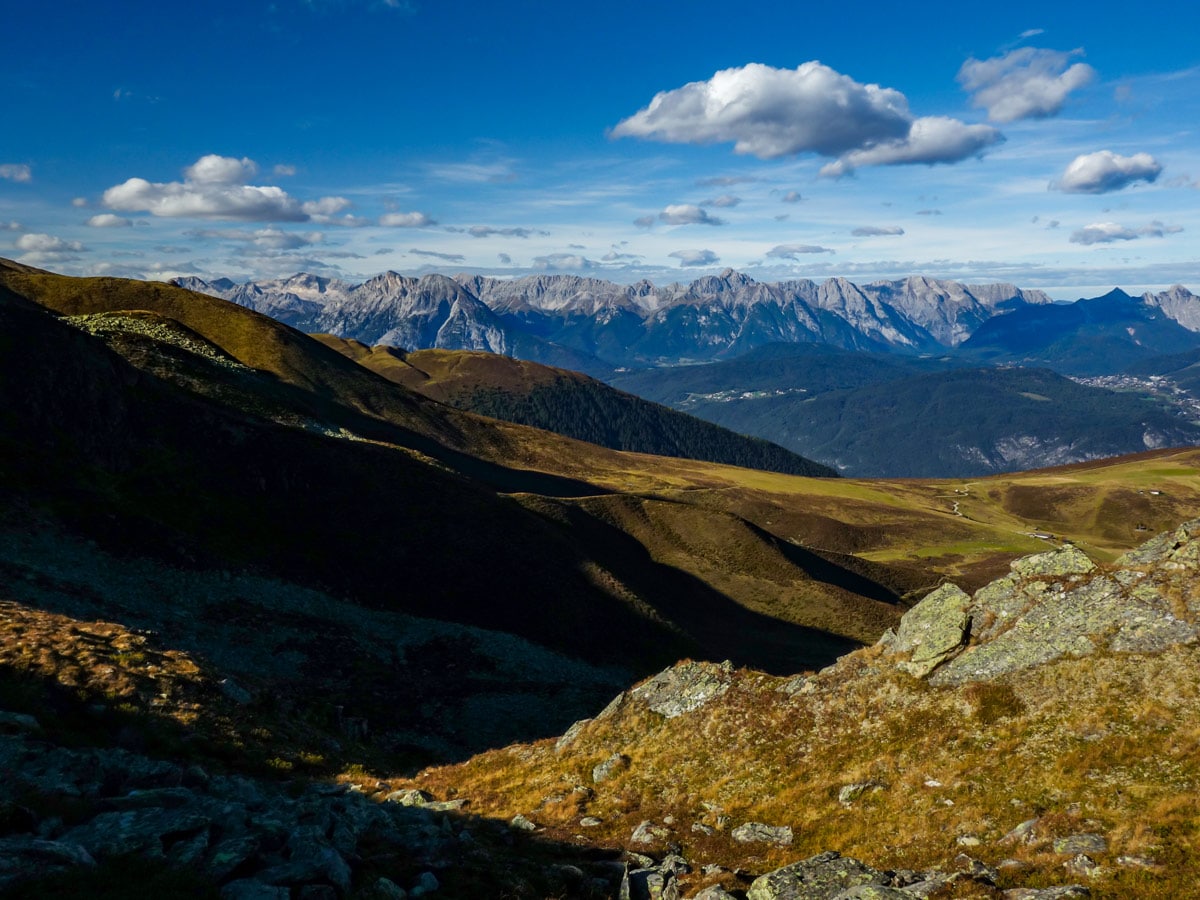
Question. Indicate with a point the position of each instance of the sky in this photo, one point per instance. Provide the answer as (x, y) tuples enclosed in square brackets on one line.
[(1054, 146)]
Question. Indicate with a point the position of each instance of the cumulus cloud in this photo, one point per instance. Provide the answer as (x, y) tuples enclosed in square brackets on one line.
[(79, 202), (434, 254), (615, 256), (406, 220), (792, 197), (45, 243), (215, 169), (1110, 232), (931, 139), (214, 188), (562, 262), (284, 171), (16, 172), (689, 258), (725, 201), (1105, 171), (108, 220), (771, 112), (877, 231), (644, 221), (1028, 83), (42, 249), (791, 251), (688, 214)]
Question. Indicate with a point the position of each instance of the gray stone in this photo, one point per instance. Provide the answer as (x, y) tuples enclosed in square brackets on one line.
[(873, 892), (235, 692), (427, 883), (851, 792), (231, 854), (820, 877), (605, 770), (758, 833), (701, 828), (714, 892), (590, 822), (313, 862), (251, 889), (23, 858), (409, 797), (18, 723), (1024, 832), (1062, 892), (1081, 843), (167, 798), (1068, 560), (647, 833), (934, 630), (142, 831), (570, 735), (386, 889), (685, 687), (521, 823)]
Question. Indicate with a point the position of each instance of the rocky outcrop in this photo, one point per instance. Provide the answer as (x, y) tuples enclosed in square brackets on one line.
[(1053, 605), (685, 687)]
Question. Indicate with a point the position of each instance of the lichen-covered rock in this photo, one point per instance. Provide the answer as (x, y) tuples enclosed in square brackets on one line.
[(1068, 560), (647, 833), (1081, 843), (605, 770), (933, 631), (758, 833), (1059, 604), (685, 687), (820, 877)]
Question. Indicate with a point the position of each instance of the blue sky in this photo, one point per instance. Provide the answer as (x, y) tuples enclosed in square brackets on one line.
[(1052, 145)]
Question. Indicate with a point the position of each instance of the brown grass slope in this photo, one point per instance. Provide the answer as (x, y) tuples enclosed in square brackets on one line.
[(568, 403), (1099, 741), (821, 553)]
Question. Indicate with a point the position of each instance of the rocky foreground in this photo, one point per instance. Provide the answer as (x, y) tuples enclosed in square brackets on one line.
[(1035, 740)]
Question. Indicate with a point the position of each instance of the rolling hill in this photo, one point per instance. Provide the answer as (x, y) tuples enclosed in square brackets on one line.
[(570, 404), (247, 585)]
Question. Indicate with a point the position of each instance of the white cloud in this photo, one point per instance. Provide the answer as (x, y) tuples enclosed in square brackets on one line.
[(504, 258), (932, 139), (725, 201), (265, 239), (326, 206), (108, 220), (11, 226), (791, 251), (1105, 171), (644, 221), (483, 231), (877, 231), (406, 220), (45, 243), (434, 254), (215, 169), (79, 202), (1032, 32), (724, 180), (16, 172), (687, 214), (1028, 83), (284, 171), (771, 112), (213, 188), (473, 173), (1110, 232), (555, 262), (792, 197), (689, 258)]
